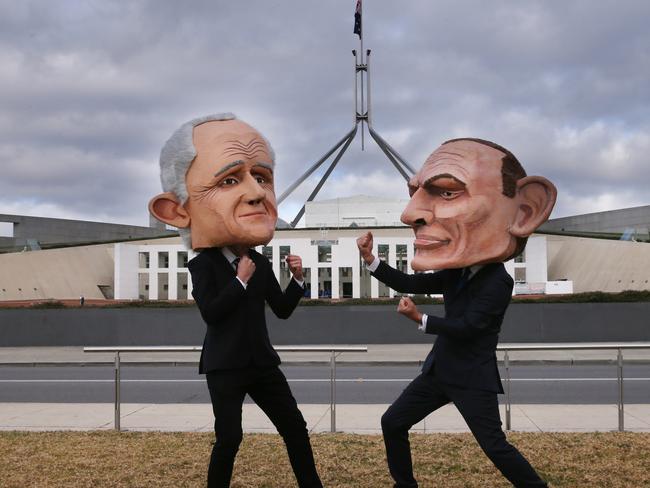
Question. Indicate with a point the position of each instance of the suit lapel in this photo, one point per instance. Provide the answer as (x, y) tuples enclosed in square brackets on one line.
[(221, 262), (459, 290), (457, 287)]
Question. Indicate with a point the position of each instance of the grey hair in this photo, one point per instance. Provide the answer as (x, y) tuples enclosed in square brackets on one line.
[(177, 155)]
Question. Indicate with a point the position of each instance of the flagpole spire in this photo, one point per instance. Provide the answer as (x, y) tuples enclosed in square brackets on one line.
[(358, 22), (361, 116)]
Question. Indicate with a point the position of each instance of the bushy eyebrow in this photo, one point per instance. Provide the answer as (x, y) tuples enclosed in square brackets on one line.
[(268, 166), (229, 166), (442, 176)]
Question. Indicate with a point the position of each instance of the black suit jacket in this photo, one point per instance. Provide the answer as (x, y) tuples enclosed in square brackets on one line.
[(236, 334), (464, 353)]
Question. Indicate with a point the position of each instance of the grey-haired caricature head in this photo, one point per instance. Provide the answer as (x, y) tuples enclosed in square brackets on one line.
[(217, 178)]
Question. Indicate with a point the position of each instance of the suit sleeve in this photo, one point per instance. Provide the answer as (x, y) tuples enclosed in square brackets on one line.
[(483, 314), (214, 303), (283, 303), (410, 283)]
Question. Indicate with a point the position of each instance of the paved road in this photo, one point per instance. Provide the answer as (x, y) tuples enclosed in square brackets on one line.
[(538, 384)]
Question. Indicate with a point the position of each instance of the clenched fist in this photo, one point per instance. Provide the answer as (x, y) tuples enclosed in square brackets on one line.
[(245, 268), (295, 266), (364, 243), (407, 308)]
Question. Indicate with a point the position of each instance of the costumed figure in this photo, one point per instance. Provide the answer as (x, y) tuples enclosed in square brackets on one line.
[(472, 207), (217, 178)]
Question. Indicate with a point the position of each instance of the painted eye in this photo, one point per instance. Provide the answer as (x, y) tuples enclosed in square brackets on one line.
[(229, 181), (449, 194)]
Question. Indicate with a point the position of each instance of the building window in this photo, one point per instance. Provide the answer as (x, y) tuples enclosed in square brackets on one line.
[(520, 275), (325, 254), (382, 250), (143, 286), (306, 273), (285, 274), (401, 260), (143, 259), (181, 286), (364, 280), (521, 258), (163, 259), (181, 259), (284, 252), (324, 282), (345, 282), (163, 286), (267, 252)]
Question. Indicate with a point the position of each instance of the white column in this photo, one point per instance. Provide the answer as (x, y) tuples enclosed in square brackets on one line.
[(275, 260), (392, 261), (172, 272), (335, 280), (153, 275), (190, 255), (356, 279), (374, 284), (314, 282)]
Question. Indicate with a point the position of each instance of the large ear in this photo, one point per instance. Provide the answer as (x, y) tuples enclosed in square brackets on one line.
[(166, 208), (535, 200)]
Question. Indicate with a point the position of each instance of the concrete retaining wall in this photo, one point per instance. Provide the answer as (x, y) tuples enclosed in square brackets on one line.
[(379, 324)]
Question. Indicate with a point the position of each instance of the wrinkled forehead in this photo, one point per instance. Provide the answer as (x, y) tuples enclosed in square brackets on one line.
[(467, 161), (230, 139)]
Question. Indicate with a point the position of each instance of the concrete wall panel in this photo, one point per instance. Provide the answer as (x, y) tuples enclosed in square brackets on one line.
[(315, 325)]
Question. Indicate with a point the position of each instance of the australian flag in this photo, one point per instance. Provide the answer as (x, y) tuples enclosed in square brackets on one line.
[(357, 19)]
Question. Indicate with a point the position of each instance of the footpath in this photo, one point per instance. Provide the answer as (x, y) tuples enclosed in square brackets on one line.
[(357, 418)]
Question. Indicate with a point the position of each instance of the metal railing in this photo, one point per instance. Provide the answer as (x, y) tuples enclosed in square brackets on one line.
[(333, 350), (569, 346)]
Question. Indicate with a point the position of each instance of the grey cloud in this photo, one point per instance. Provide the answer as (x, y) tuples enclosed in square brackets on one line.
[(94, 88)]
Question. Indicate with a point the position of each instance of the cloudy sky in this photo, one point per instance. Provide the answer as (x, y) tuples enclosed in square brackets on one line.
[(90, 90)]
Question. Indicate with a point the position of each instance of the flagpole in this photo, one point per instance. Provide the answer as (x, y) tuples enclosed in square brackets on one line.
[(361, 46), (362, 114)]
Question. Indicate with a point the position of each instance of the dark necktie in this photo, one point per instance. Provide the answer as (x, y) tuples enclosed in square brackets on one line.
[(464, 278), (235, 262)]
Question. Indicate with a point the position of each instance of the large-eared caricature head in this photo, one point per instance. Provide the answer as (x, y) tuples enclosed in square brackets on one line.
[(217, 177), (472, 203)]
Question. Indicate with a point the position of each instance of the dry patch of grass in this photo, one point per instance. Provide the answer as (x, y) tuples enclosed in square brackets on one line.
[(134, 459)]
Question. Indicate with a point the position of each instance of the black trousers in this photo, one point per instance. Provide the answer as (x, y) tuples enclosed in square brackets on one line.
[(480, 409), (268, 387)]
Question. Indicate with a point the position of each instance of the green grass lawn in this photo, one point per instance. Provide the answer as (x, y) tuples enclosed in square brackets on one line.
[(134, 459)]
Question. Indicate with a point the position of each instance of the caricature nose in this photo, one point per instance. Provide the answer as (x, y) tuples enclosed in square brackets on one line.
[(417, 212), (254, 192)]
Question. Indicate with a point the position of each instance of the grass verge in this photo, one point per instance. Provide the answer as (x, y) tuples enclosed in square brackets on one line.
[(136, 459)]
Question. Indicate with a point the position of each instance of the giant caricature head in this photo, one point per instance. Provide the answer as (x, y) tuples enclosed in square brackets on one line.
[(217, 175), (472, 203)]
